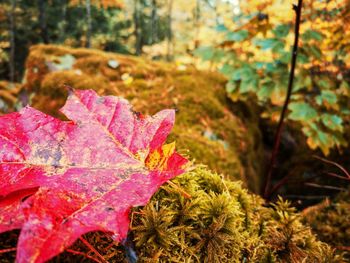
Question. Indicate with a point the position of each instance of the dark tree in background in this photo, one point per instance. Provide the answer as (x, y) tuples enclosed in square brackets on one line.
[(42, 21), (103, 24), (12, 34), (170, 47), (89, 23), (29, 22), (137, 23)]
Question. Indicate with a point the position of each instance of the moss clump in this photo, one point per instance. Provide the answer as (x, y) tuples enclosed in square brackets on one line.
[(330, 220), (221, 222), (206, 125)]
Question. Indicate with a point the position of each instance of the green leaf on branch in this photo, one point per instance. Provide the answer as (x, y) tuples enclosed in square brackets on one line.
[(313, 50), (205, 53), (345, 111), (318, 138), (344, 88), (249, 85), (302, 111), (311, 34), (259, 65), (244, 73), (209, 53), (302, 58), (221, 28), (332, 121), (324, 83), (281, 31), (265, 90), (237, 36), (302, 82), (326, 96), (285, 57), (274, 44), (227, 69), (271, 67)]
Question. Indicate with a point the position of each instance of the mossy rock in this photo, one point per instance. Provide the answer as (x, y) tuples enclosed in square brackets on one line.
[(206, 124), (330, 220), (221, 222)]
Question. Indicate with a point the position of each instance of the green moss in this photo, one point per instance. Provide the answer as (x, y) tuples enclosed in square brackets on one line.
[(330, 220), (218, 158), (221, 222)]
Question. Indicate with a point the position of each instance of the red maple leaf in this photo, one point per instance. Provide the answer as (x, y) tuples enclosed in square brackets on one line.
[(62, 179)]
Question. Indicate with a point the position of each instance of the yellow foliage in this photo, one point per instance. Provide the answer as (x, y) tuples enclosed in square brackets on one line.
[(100, 3), (335, 29), (158, 159)]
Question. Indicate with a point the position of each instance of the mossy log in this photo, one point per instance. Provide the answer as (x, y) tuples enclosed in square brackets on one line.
[(205, 122)]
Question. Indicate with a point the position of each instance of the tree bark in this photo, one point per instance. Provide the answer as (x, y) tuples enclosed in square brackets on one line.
[(12, 30), (197, 15), (170, 44), (42, 21), (89, 23), (154, 23), (63, 26), (138, 29)]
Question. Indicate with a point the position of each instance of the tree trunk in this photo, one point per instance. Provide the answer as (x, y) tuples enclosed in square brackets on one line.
[(63, 25), (12, 30), (154, 23), (197, 15), (89, 23), (170, 44), (42, 21), (137, 32)]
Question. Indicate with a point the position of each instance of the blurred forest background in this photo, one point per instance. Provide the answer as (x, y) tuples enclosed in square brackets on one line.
[(159, 29), (170, 29)]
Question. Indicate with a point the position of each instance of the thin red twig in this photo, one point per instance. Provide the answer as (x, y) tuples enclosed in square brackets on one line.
[(329, 187), (338, 176), (180, 190), (334, 163), (286, 178), (7, 250), (277, 140), (82, 254), (113, 243), (93, 249), (110, 245), (343, 248)]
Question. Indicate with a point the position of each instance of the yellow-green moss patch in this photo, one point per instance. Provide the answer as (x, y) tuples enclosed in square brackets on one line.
[(222, 222), (330, 220)]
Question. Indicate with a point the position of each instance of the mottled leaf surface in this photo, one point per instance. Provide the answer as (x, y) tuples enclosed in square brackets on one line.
[(61, 179)]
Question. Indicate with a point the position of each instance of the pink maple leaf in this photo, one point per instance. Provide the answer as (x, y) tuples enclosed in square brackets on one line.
[(62, 179)]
